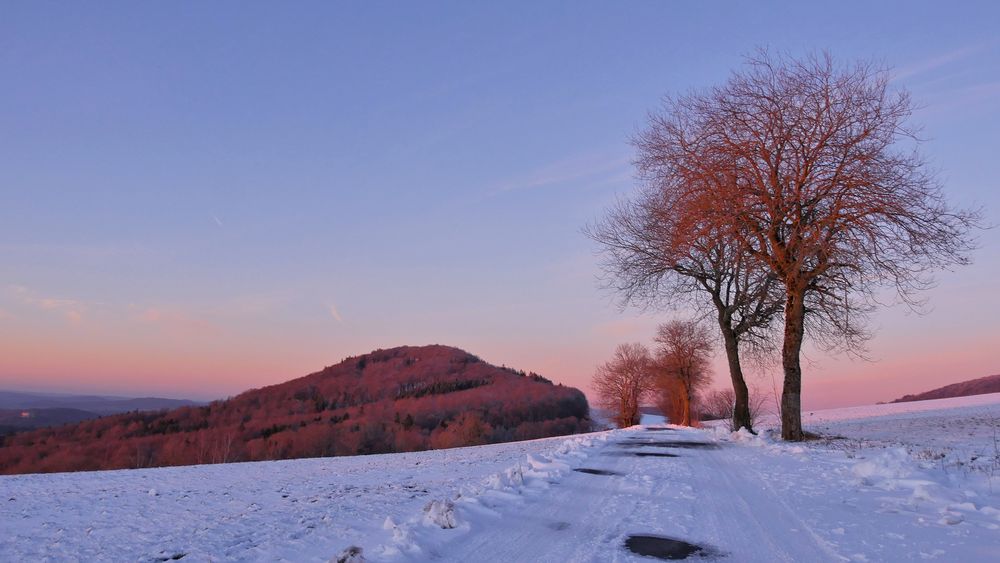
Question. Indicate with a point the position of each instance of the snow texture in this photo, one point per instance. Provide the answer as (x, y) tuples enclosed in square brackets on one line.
[(900, 482)]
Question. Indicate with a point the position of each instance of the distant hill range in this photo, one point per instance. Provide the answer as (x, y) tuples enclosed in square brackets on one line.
[(21, 411), (90, 403), (403, 399), (981, 386)]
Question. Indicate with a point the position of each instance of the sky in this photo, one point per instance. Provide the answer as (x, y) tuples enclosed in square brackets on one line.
[(198, 199)]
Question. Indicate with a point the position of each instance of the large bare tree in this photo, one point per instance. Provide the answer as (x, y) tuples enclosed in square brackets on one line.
[(809, 168), (683, 354), (624, 382)]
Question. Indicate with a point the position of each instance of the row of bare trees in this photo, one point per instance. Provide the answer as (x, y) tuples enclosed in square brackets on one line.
[(782, 203), (672, 375)]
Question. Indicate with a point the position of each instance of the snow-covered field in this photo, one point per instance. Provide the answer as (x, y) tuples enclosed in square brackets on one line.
[(900, 482)]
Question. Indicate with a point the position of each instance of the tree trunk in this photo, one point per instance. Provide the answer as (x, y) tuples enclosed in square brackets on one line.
[(687, 406), (623, 413), (741, 407), (632, 415), (791, 397)]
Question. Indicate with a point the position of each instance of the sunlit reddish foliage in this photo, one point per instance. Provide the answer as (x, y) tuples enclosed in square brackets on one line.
[(683, 354), (624, 382), (403, 399)]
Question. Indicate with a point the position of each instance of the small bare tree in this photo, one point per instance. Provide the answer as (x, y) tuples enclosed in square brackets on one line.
[(809, 168), (624, 382), (718, 405), (684, 349)]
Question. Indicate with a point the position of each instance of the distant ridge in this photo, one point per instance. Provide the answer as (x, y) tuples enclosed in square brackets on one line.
[(21, 420), (981, 386), (21, 411), (99, 405)]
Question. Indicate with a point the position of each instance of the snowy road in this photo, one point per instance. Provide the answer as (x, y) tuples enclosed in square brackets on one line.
[(745, 499), (703, 495)]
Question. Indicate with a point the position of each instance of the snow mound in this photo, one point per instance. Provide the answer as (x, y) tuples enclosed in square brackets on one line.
[(744, 436), (894, 463), (440, 513), (352, 554)]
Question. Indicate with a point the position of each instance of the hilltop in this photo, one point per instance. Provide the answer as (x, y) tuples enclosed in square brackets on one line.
[(399, 400), (981, 386)]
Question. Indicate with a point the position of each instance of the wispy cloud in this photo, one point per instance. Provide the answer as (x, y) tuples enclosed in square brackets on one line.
[(335, 313), (184, 320), (72, 310), (575, 169), (936, 62)]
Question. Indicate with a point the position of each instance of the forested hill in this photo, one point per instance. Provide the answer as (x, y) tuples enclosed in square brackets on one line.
[(981, 386), (403, 399)]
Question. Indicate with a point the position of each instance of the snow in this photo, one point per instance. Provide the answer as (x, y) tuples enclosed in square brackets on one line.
[(296, 510), (901, 482)]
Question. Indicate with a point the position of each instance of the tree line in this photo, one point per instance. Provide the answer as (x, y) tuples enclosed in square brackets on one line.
[(672, 374)]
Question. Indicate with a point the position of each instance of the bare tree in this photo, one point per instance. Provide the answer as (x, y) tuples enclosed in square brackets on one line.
[(222, 448), (624, 382), (684, 349), (808, 167), (650, 262), (671, 398), (718, 405)]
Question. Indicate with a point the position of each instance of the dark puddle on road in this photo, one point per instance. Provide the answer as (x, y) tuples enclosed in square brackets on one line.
[(654, 429), (590, 471), (559, 526), (641, 454), (669, 444), (665, 548)]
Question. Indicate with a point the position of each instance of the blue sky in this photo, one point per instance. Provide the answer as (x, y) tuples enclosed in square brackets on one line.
[(202, 198)]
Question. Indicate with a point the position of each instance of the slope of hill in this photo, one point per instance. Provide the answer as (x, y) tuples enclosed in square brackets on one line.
[(981, 386), (398, 400)]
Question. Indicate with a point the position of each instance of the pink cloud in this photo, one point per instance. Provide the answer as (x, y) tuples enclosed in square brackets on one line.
[(72, 310)]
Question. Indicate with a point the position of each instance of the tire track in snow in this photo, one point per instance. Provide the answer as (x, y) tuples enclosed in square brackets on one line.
[(703, 496), (749, 518)]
